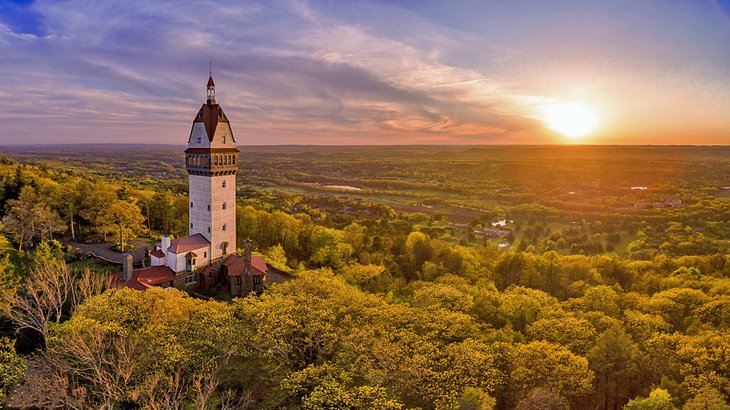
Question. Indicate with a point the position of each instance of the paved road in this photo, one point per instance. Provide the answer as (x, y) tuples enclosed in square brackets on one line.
[(104, 251)]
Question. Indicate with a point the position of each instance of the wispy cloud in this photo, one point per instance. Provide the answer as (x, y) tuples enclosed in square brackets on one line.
[(287, 72), (125, 70)]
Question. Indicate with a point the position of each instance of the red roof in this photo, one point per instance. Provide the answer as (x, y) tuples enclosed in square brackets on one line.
[(157, 253), (235, 265), (233, 259), (191, 255), (210, 115), (188, 243), (142, 278), (210, 81), (258, 264)]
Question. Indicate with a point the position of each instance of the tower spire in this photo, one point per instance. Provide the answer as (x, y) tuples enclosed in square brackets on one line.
[(211, 84)]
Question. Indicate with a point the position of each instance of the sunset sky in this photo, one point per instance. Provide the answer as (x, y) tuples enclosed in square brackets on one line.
[(366, 72)]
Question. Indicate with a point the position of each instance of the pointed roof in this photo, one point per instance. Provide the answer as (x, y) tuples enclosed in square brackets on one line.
[(210, 81), (210, 115)]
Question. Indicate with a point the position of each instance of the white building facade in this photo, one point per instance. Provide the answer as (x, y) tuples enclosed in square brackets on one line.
[(212, 161)]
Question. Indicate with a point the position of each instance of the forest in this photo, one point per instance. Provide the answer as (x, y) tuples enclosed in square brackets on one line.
[(426, 277)]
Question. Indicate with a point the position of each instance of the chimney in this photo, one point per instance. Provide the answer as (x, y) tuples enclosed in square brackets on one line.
[(127, 267), (164, 244), (247, 257)]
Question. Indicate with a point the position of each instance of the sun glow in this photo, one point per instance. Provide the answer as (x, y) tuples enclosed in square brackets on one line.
[(574, 120)]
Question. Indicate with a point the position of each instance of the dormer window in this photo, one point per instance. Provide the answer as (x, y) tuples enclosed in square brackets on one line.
[(199, 140), (190, 261), (224, 139)]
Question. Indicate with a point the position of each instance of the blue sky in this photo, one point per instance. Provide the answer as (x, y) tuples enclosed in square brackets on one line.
[(365, 72)]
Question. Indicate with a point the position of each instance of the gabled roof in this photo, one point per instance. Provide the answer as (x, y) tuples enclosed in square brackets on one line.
[(210, 81), (142, 278), (188, 243), (235, 263), (157, 253)]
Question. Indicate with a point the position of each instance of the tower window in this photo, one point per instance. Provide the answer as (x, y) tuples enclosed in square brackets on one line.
[(223, 184), (191, 204), (224, 227), (209, 207), (224, 205), (191, 225), (209, 229), (205, 254), (224, 139), (198, 140)]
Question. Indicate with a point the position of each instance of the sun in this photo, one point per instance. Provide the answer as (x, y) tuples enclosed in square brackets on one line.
[(572, 119)]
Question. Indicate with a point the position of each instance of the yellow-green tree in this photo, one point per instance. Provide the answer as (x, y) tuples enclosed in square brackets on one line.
[(544, 364), (124, 218)]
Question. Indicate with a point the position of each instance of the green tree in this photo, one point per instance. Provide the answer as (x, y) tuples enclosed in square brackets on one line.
[(659, 399), (124, 218), (576, 334), (153, 349), (276, 256), (543, 364), (522, 306), (29, 216), (418, 250), (707, 398), (371, 278), (615, 361), (475, 399), (12, 367), (67, 197)]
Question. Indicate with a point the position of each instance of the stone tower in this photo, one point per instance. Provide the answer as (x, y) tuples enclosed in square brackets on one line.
[(212, 161)]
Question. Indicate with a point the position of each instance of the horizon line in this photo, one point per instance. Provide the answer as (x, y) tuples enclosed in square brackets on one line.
[(363, 145)]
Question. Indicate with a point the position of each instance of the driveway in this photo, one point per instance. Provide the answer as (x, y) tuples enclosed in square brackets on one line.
[(104, 251)]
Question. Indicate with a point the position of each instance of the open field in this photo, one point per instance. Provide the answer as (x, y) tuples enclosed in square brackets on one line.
[(587, 192)]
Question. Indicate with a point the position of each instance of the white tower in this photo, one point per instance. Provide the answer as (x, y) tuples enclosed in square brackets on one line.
[(212, 161)]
